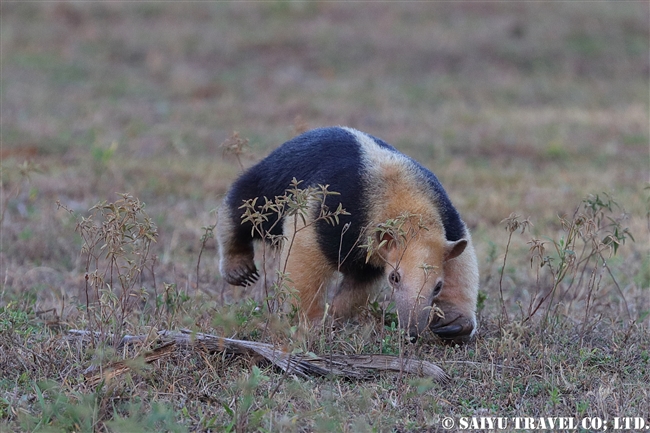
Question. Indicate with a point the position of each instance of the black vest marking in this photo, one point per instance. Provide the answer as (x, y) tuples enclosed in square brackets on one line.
[(326, 156)]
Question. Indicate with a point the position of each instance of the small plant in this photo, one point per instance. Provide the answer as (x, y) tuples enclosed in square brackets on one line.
[(590, 235), (391, 339), (245, 413), (56, 409), (102, 157), (15, 318), (117, 238), (512, 225), (386, 314), (208, 233), (158, 417), (171, 302), (554, 397), (578, 258), (235, 145)]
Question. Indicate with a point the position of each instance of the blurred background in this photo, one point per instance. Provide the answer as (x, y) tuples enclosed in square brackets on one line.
[(520, 107)]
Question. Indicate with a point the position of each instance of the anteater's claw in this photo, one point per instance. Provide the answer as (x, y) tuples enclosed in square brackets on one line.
[(251, 278), (242, 276)]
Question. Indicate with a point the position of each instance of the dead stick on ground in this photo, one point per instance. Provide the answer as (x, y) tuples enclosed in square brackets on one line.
[(349, 366)]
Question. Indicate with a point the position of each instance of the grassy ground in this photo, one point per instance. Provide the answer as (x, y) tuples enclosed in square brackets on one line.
[(525, 108)]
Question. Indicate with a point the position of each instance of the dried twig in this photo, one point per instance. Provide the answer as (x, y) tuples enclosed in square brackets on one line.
[(118, 368)]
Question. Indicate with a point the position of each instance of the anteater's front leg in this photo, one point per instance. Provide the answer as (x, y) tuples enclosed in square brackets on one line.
[(236, 262)]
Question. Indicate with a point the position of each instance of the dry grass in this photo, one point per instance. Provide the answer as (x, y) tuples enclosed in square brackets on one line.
[(523, 108)]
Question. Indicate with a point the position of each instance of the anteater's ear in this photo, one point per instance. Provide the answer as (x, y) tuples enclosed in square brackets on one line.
[(455, 249), (386, 247)]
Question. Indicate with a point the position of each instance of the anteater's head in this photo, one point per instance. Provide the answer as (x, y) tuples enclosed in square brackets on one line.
[(434, 283)]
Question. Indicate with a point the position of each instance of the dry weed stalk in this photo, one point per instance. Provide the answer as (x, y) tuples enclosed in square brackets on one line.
[(578, 259), (512, 225), (208, 233), (117, 238), (235, 145)]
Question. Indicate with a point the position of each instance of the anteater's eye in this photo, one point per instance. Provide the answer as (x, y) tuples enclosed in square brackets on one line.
[(394, 278), (437, 289)]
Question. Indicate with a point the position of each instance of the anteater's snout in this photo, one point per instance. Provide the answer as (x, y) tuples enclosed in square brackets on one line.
[(458, 330)]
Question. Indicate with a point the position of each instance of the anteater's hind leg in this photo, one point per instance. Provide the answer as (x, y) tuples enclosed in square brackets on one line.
[(236, 253), (307, 267)]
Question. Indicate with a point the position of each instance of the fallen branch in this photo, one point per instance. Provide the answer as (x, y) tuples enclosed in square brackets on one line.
[(348, 366)]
